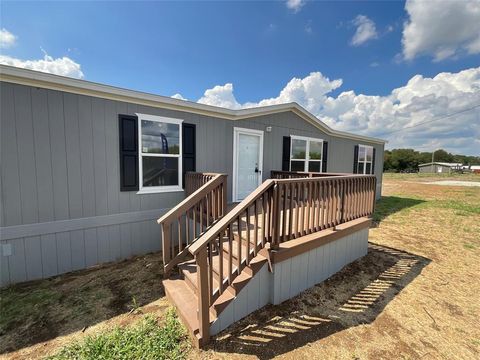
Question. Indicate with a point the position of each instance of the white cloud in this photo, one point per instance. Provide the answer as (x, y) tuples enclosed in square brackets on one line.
[(7, 39), (60, 66), (178, 96), (441, 29), (366, 30), (295, 5), (421, 99), (220, 95)]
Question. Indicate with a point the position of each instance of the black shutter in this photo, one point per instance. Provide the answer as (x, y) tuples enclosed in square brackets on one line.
[(286, 154), (373, 161), (128, 129), (324, 156), (355, 159), (188, 149)]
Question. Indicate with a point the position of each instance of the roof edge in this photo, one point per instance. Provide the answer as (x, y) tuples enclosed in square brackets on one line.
[(84, 87)]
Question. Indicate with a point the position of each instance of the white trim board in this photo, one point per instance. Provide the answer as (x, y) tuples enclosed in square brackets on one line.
[(61, 83), (52, 227)]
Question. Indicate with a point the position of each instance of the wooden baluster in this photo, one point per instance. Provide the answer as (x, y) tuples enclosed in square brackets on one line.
[(203, 296), (316, 219), (363, 197), (166, 246), (357, 197), (297, 210), (290, 211), (200, 205), (209, 207), (348, 204), (230, 253), (187, 227), (180, 242), (239, 246), (276, 217), (311, 217), (283, 198), (255, 227), (220, 258), (304, 200), (264, 218), (334, 202), (327, 203), (210, 273), (194, 209), (247, 234)]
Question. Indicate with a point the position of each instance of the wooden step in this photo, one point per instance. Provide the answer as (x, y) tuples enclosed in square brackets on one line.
[(188, 270), (185, 300), (186, 303)]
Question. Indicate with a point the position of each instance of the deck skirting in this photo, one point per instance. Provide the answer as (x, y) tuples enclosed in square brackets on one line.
[(298, 265)]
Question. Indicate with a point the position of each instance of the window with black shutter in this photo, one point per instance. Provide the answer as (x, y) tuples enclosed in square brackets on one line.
[(189, 149), (128, 141)]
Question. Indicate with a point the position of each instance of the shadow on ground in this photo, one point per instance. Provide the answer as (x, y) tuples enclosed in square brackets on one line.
[(354, 296), (388, 205), (41, 310)]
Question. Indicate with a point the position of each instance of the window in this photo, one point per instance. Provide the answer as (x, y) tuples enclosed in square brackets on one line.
[(160, 153), (306, 154), (365, 159)]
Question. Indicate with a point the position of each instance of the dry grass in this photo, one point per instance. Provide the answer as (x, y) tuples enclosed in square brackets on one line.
[(415, 295)]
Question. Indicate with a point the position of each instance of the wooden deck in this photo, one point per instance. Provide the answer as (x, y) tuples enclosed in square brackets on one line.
[(227, 245)]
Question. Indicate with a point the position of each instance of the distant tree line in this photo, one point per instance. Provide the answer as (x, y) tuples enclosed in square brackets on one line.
[(408, 159)]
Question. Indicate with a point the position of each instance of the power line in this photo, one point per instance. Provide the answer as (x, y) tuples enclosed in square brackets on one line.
[(432, 120)]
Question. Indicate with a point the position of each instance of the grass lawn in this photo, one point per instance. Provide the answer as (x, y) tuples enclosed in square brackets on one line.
[(415, 295)]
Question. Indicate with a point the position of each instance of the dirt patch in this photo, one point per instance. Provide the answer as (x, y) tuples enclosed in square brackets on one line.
[(39, 311)]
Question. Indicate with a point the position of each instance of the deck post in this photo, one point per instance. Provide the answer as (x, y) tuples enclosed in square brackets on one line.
[(224, 193), (276, 218), (342, 202), (166, 235), (203, 296)]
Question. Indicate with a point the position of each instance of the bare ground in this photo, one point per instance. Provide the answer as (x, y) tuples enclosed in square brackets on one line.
[(415, 295)]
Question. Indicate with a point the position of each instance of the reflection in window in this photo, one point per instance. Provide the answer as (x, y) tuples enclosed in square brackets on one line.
[(160, 137), (160, 171), (299, 149)]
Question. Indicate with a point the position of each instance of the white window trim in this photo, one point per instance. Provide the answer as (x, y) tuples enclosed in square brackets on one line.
[(307, 152), (159, 189), (365, 162)]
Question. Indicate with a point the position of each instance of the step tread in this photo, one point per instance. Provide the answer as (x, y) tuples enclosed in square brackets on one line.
[(189, 271), (185, 300)]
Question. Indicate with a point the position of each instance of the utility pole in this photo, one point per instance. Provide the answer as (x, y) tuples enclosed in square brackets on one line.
[(433, 156)]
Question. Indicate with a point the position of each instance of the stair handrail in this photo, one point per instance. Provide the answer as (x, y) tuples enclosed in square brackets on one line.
[(215, 190)]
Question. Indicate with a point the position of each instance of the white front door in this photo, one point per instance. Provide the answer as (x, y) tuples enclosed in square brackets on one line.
[(247, 161)]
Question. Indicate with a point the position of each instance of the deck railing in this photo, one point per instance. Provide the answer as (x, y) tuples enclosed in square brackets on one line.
[(206, 202), (280, 174), (277, 211), (195, 180)]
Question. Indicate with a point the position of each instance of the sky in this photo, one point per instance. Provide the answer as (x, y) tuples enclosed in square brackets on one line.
[(407, 72)]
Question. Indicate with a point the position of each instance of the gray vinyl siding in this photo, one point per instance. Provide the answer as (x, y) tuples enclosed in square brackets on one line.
[(62, 208)]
